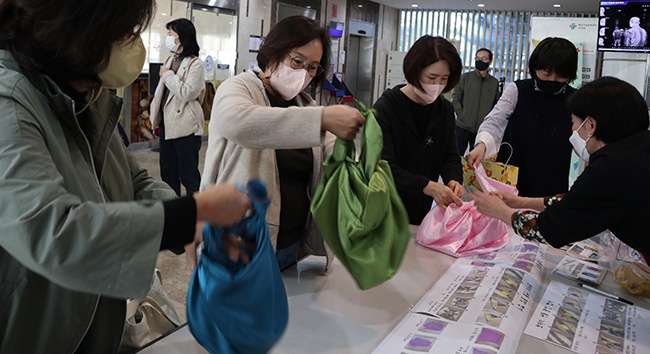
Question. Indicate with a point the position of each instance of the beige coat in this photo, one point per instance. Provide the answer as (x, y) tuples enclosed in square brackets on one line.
[(244, 133), (182, 109)]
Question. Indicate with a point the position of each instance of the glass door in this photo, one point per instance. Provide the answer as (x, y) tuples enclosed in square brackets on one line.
[(216, 33)]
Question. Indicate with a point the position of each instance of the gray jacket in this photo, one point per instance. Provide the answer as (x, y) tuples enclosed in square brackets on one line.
[(80, 223), (473, 98)]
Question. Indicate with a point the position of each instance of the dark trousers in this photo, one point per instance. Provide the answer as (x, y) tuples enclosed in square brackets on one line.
[(464, 139), (179, 162)]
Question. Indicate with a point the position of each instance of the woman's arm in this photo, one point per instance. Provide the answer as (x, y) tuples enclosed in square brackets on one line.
[(494, 125), (189, 87)]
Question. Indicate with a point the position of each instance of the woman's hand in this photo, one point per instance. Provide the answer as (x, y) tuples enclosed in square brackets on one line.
[(456, 188), (162, 71), (221, 205), (511, 200), (442, 194), (477, 154), (342, 121), (492, 205)]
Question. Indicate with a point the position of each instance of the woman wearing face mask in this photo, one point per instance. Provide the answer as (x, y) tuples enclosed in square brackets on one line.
[(610, 131), (263, 125), (531, 116), (419, 128), (81, 224), (176, 108)]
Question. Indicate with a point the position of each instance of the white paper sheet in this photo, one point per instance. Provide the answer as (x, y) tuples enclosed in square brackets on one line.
[(585, 322)]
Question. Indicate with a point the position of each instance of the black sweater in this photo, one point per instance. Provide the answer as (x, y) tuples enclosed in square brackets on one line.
[(612, 193), (418, 155)]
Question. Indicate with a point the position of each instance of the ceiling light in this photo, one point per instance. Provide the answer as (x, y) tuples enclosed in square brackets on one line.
[(414, 5), (481, 5), (360, 5), (557, 5)]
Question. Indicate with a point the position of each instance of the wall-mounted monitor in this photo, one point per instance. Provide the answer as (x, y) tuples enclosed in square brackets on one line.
[(623, 26)]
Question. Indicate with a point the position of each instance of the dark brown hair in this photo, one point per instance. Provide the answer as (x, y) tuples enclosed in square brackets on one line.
[(293, 32), (426, 51), (69, 39)]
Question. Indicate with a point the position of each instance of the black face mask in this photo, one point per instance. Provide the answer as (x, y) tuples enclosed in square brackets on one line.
[(481, 65), (550, 87)]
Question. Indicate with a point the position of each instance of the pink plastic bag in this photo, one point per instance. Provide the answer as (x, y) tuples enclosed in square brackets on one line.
[(462, 231)]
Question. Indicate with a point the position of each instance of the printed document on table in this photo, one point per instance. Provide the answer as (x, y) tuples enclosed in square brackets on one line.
[(586, 322), (419, 333)]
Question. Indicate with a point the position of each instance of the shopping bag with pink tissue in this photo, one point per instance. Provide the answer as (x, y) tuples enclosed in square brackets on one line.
[(462, 231)]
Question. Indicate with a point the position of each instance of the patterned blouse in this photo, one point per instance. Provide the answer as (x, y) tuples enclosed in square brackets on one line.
[(524, 222)]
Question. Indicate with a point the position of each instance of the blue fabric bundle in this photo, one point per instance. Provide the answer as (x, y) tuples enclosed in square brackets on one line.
[(237, 308)]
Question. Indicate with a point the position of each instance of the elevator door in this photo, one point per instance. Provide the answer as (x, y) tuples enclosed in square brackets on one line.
[(359, 61)]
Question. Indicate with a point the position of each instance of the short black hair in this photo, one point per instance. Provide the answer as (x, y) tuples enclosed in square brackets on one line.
[(293, 32), (616, 106), (555, 54), (69, 40), (485, 50), (186, 35), (426, 51)]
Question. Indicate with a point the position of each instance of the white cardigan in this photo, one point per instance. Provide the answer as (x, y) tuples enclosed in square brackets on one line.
[(244, 133), (182, 109)]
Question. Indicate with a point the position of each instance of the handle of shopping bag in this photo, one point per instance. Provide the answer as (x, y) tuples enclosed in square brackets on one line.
[(372, 141), (511, 151)]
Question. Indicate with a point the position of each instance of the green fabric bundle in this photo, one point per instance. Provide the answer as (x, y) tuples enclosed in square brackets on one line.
[(358, 210)]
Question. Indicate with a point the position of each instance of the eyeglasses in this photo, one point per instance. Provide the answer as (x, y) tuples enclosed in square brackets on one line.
[(314, 69), (485, 59)]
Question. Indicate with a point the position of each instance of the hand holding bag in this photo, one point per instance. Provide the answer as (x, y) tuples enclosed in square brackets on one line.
[(502, 172), (358, 211), (234, 307), (461, 231)]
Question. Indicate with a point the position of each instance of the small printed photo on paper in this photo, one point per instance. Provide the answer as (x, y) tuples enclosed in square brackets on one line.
[(564, 312), (491, 337), (576, 293), (420, 343), (523, 265), (614, 330), (490, 318), (466, 290), (614, 305), (565, 326), (498, 304), (505, 293), (573, 304), (450, 313), (507, 282), (482, 351), (559, 338), (611, 342), (431, 325), (516, 274)]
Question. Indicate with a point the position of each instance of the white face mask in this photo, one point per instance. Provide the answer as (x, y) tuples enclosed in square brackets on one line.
[(170, 43), (125, 63), (289, 82), (580, 145), (430, 93)]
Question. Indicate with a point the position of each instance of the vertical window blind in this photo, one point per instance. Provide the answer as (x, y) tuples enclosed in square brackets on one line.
[(505, 33)]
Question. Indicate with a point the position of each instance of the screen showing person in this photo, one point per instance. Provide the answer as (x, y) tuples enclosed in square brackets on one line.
[(624, 25)]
